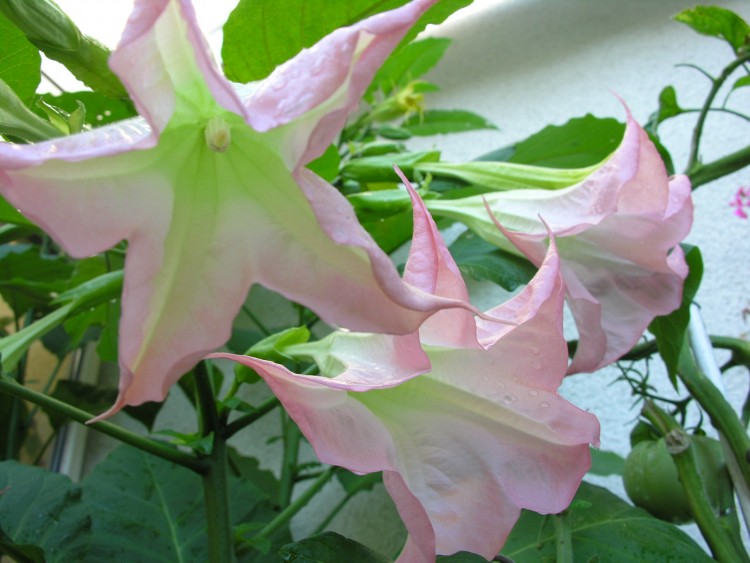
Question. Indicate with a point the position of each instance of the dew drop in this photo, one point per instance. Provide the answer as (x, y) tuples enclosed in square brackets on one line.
[(544, 404), (533, 392), (509, 399), (537, 365)]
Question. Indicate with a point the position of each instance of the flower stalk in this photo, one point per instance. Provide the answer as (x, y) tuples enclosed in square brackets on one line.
[(679, 446)]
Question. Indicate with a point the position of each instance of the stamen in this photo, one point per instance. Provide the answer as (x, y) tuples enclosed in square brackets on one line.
[(218, 134)]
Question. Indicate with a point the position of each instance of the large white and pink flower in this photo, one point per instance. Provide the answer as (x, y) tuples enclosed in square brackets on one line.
[(462, 417), (210, 191), (618, 233)]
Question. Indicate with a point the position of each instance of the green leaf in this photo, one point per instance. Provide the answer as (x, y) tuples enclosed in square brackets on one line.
[(389, 232), (9, 214), (410, 63), (670, 330), (741, 82), (353, 483), (604, 528), (668, 107), (330, 547), (606, 463), (29, 279), (461, 557), (276, 37), (717, 22), (40, 510), (100, 109), (16, 120), (437, 121), (147, 509), (581, 142), (483, 261), (20, 62), (327, 165)]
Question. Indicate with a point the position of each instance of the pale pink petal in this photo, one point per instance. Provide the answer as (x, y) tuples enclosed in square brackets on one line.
[(617, 232), (431, 268), (202, 225), (463, 447), (317, 90)]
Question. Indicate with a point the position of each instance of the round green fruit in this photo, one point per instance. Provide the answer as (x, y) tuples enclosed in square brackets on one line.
[(651, 480)]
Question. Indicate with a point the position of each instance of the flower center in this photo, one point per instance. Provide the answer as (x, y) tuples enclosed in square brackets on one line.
[(218, 134)]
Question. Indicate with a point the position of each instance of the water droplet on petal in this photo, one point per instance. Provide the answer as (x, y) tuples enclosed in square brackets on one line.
[(509, 399), (537, 365), (533, 392), (544, 404)]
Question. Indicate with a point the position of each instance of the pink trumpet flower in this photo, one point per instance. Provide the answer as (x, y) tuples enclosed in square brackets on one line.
[(462, 417), (210, 191), (618, 233)]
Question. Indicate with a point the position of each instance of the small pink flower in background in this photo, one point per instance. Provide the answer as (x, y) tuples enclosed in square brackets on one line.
[(463, 417), (741, 202), (618, 233), (211, 193)]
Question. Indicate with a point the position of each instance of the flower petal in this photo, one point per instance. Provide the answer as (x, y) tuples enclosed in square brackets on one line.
[(618, 233), (464, 447), (316, 90)]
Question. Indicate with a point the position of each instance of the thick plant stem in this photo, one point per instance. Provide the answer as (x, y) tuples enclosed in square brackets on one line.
[(563, 539), (289, 462), (704, 173), (721, 413), (143, 443), (679, 446), (299, 503), (215, 482), (717, 84)]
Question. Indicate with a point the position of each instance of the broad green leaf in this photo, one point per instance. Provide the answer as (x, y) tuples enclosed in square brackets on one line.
[(100, 109), (717, 22), (29, 279), (327, 165), (389, 232), (410, 63), (20, 62), (438, 121), (9, 214), (604, 528), (483, 261), (581, 142), (277, 36), (41, 510), (330, 547), (670, 330), (146, 509), (606, 463)]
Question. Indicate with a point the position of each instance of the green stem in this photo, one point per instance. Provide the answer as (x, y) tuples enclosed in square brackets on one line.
[(716, 86), (563, 539), (721, 413), (289, 462), (246, 420), (704, 173), (143, 443), (215, 483), (288, 513), (678, 443)]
